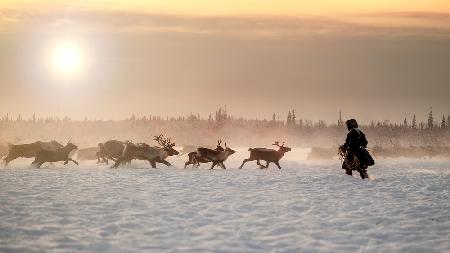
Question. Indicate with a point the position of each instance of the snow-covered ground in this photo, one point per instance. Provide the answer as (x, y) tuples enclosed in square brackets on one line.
[(306, 207)]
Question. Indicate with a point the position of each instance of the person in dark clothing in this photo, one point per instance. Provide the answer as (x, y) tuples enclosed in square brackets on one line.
[(356, 143)]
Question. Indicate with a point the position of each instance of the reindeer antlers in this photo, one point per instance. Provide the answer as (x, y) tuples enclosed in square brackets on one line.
[(277, 143), (164, 142), (219, 142)]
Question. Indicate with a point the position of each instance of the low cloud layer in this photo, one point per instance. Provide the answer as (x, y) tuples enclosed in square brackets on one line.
[(116, 21)]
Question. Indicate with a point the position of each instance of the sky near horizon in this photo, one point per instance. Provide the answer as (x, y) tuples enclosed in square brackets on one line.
[(371, 59), (268, 7)]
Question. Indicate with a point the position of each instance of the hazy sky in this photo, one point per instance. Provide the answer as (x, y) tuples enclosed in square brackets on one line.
[(371, 59)]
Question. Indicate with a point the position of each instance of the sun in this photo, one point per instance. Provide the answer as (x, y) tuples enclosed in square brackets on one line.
[(67, 58)]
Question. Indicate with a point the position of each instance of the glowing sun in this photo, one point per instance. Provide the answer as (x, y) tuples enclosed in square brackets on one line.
[(67, 58)]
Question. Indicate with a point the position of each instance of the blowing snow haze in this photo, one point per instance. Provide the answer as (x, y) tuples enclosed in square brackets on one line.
[(110, 59)]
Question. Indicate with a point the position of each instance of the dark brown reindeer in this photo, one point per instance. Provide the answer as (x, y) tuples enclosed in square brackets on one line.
[(217, 157), (268, 155), (110, 150), (61, 154), (143, 151), (29, 150), (132, 151), (195, 159)]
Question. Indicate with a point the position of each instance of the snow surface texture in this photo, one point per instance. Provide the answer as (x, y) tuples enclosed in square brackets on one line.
[(306, 207)]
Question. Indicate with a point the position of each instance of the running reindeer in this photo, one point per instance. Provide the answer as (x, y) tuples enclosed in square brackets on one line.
[(29, 150), (61, 154), (143, 151), (195, 159), (217, 157), (166, 150), (110, 150), (268, 155)]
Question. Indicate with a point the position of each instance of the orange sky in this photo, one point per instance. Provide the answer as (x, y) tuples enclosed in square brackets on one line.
[(279, 7), (259, 57)]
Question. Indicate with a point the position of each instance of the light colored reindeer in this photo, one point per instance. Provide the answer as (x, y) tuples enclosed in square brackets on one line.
[(268, 155)]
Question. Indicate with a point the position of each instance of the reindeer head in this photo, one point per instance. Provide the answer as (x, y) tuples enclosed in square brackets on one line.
[(229, 150), (219, 145), (70, 146), (282, 148), (166, 144)]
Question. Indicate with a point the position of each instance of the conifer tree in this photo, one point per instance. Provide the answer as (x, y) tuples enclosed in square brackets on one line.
[(289, 118), (430, 119), (294, 118), (443, 124), (340, 121), (414, 122)]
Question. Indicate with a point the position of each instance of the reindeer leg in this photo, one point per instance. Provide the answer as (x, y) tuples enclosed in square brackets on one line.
[(8, 159), (164, 162), (65, 162), (70, 159), (116, 164), (267, 165), (195, 162), (153, 163), (213, 165), (222, 165), (260, 165), (243, 162), (37, 164), (98, 157), (278, 164)]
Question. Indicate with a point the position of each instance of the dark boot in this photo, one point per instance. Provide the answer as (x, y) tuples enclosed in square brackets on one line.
[(363, 173), (348, 172)]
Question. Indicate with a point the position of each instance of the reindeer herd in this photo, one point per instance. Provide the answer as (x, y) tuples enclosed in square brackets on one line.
[(123, 152)]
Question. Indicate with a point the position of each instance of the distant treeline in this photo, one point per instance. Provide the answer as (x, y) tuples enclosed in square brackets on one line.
[(194, 130)]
